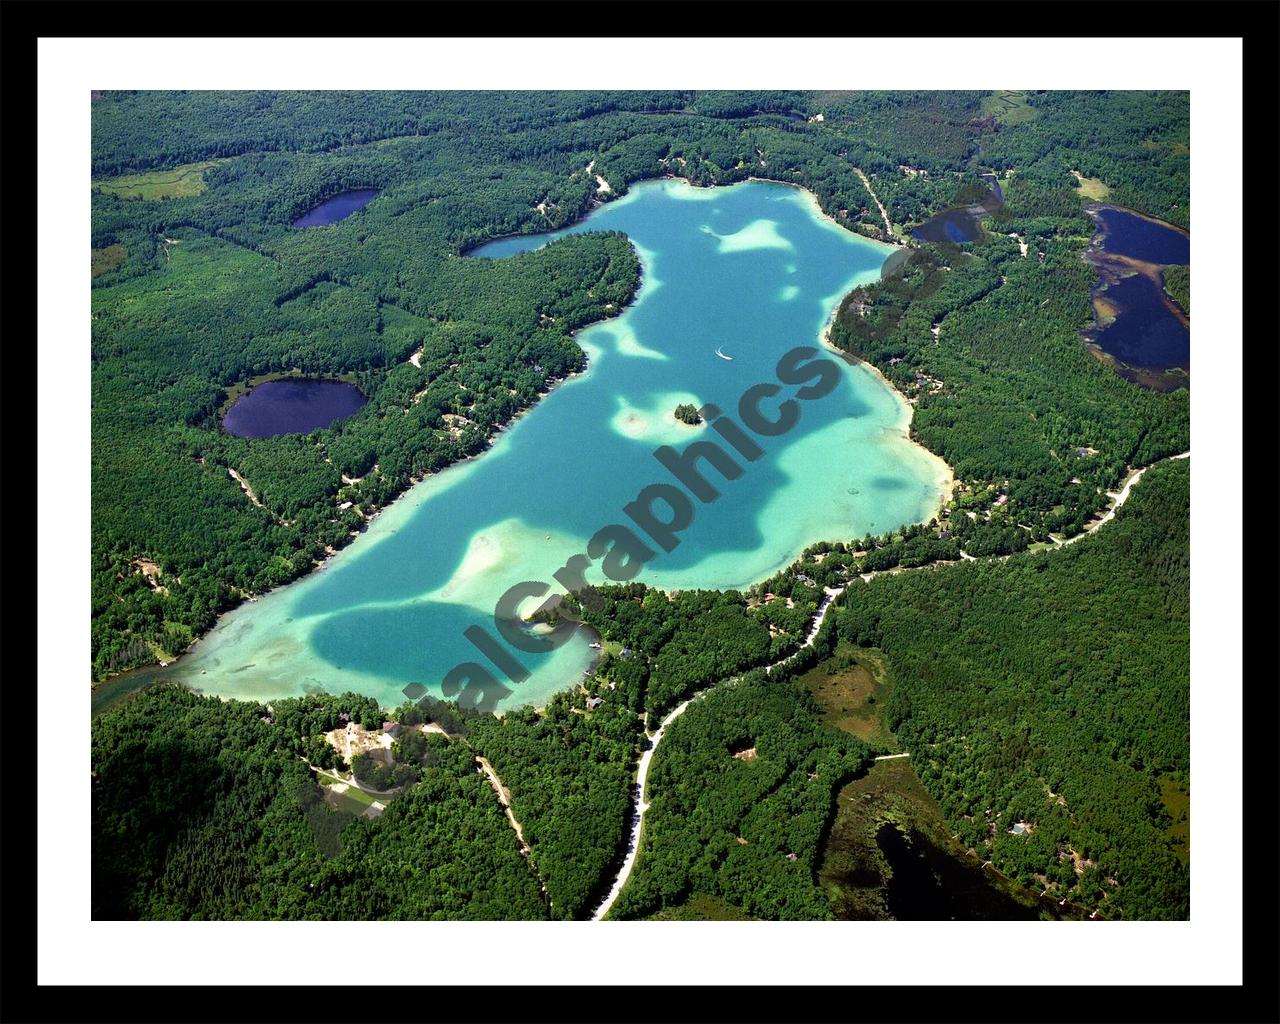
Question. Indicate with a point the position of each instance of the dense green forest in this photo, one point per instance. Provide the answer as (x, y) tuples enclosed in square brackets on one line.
[(569, 771), (983, 337), (204, 809), (1137, 143), (985, 341), (1177, 282), (1053, 689), (1048, 688), (740, 794), (688, 640)]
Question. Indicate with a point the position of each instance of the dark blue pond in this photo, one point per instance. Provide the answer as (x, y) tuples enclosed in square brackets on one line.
[(338, 208), (961, 223), (949, 226), (1148, 339), (1146, 332), (295, 406), (1126, 234)]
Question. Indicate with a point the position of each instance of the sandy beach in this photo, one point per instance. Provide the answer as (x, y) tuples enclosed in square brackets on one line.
[(945, 476)]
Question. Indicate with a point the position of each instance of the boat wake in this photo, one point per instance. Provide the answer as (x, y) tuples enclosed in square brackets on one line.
[(721, 354)]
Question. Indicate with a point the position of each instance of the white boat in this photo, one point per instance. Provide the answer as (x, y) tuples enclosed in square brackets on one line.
[(722, 355)]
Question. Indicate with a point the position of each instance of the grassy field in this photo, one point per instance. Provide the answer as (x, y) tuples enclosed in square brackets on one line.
[(1177, 801), (352, 800), (1009, 106), (185, 180), (1091, 188), (701, 907), (850, 688), (107, 259)]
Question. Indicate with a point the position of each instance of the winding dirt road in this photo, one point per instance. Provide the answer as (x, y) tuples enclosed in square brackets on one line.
[(888, 228)]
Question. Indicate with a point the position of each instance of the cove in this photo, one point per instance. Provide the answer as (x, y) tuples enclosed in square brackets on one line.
[(294, 406), (753, 270), (1140, 238), (337, 208), (1147, 332)]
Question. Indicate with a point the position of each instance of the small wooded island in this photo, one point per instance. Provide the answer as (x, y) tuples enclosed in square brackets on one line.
[(687, 413)]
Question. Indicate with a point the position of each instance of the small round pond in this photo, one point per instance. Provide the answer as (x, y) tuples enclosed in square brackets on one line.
[(293, 406)]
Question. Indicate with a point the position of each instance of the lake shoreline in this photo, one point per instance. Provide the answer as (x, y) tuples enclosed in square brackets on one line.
[(945, 475), (596, 204), (1092, 208), (98, 686)]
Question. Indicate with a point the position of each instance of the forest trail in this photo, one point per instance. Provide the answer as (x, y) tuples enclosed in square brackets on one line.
[(640, 805), (244, 485), (248, 493), (888, 228), (504, 798), (499, 788)]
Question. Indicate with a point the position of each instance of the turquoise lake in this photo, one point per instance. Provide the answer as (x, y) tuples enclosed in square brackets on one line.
[(753, 269)]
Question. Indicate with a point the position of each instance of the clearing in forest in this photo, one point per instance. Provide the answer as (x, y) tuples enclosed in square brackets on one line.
[(175, 183), (1009, 106)]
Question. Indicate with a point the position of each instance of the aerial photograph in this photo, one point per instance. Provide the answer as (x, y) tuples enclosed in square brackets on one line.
[(541, 505)]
